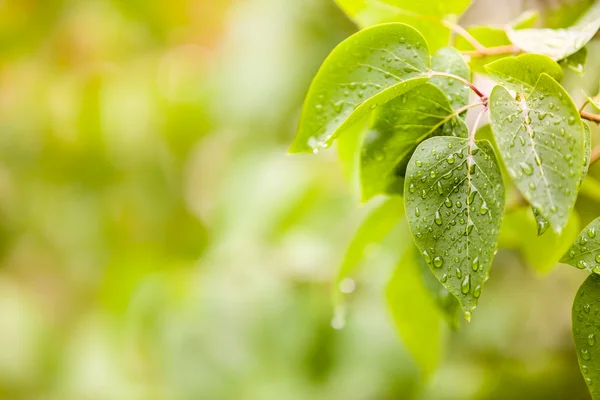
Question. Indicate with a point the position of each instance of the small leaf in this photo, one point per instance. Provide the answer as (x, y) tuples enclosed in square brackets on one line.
[(541, 140), (575, 62), (448, 59), (416, 317), (541, 222), (373, 229), (558, 43), (587, 152), (363, 72), (521, 73), (399, 126), (586, 332), (585, 251), (454, 199)]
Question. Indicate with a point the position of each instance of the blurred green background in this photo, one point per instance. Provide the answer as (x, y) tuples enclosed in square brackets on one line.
[(156, 241)]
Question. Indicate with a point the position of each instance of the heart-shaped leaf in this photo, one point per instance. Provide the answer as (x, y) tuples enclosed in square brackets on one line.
[(398, 128), (558, 43), (585, 251), (521, 73), (585, 317), (454, 199), (363, 72), (541, 140)]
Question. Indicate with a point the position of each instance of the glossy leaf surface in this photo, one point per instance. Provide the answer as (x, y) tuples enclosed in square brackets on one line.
[(454, 199), (541, 140), (521, 73), (363, 72), (585, 250)]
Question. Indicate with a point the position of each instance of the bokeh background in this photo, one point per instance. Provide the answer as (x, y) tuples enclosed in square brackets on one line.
[(157, 242)]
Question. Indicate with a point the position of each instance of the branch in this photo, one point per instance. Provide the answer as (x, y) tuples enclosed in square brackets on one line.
[(474, 88), (590, 117), (490, 51)]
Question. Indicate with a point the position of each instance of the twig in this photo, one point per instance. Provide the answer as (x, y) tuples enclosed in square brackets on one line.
[(590, 117), (490, 51), (474, 88)]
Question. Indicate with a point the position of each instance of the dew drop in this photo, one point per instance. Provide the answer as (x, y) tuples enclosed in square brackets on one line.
[(438, 262), (465, 286)]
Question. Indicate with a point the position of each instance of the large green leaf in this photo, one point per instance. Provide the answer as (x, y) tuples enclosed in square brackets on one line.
[(558, 43), (448, 59), (415, 314), (585, 319), (585, 251), (399, 126), (454, 199), (426, 16), (373, 229), (521, 73), (541, 140), (363, 72)]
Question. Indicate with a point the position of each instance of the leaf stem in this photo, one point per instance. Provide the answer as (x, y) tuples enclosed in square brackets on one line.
[(590, 117), (585, 103), (465, 34), (474, 88), (491, 51)]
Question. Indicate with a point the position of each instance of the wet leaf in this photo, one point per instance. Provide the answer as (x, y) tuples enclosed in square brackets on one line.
[(541, 140), (363, 72), (448, 59), (522, 72), (558, 43), (585, 319), (585, 250), (398, 128), (454, 199), (415, 314)]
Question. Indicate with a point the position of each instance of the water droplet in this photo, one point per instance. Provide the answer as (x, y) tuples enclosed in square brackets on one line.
[(438, 261), (440, 189), (468, 315), (417, 212), (475, 264), (427, 257), (438, 218), (585, 354), (448, 202), (591, 232), (412, 188), (477, 292), (465, 286), (571, 120), (450, 159), (597, 258), (419, 163), (581, 264), (484, 209), (591, 339), (583, 241), (526, 168), (458, 273)]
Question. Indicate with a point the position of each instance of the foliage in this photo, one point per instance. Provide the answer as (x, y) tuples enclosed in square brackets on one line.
[(416, 144)]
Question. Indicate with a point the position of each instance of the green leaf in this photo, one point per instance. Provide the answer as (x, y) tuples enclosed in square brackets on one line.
[(587, 152), (398, 127), (425, 16), (585, 251), (541, 140), (540, 252), (558, 43), (373, 229), (521, 73), (448, 59), (575, 62), (363, 72), (541, 222), (454, 199), (585, 319), (416, 317)]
